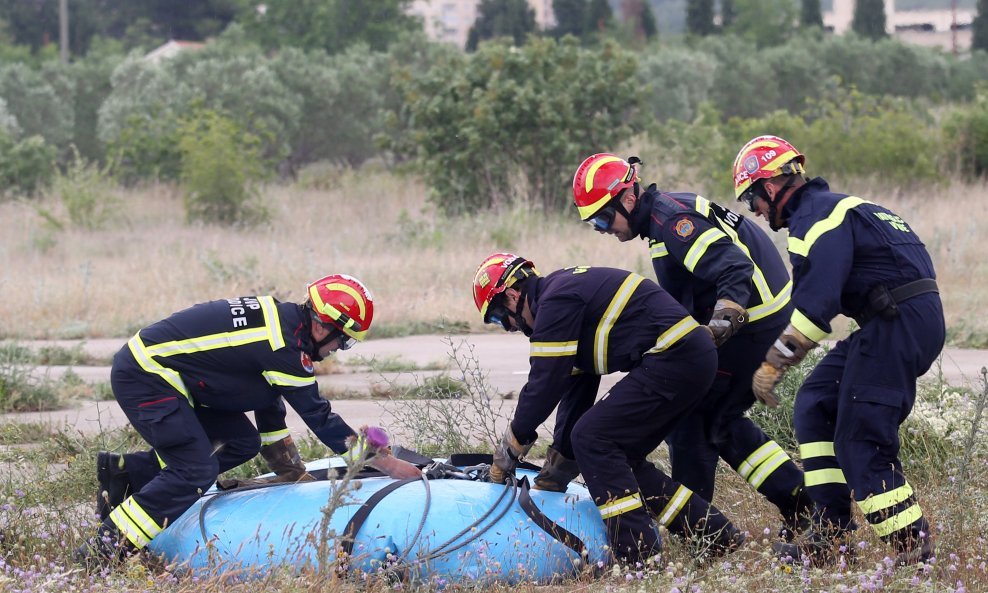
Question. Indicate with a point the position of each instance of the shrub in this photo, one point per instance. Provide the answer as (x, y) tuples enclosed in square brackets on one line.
[(87, 191), (26, 166), (965, 131), (510, 124), (221, 166)]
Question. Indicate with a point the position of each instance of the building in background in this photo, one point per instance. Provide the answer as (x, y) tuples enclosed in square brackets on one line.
[(450, 20), (948, 29)]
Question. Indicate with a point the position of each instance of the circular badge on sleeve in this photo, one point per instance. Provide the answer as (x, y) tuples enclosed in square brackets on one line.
[(684, 228), (307, 363)]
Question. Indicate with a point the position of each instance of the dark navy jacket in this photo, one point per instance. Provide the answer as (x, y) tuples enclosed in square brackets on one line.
[(593, 321), (841, 247), (240, 354), (702, 252)]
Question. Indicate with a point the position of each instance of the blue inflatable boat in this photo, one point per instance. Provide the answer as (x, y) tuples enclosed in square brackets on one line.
[(457, 531)]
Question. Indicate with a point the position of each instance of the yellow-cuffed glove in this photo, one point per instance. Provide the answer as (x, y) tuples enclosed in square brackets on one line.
[(787, 351), (763, 384)]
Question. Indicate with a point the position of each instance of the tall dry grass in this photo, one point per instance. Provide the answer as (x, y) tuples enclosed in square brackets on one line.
[(379, 227)]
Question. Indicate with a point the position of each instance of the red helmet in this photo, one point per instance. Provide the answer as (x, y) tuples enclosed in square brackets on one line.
[(343, 302), (498, 272), (765, 157), (599, 179)]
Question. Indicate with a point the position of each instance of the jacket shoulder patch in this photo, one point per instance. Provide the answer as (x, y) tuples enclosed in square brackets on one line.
[(307, 363), (684, 228)]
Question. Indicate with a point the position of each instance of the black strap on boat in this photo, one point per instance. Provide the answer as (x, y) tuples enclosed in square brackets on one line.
[(358, 518), (531, 509), (467, 459)]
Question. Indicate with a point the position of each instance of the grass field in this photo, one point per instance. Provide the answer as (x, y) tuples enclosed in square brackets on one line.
[(147, 263)]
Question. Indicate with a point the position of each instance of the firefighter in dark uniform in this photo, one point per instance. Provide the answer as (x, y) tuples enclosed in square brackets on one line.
[(186, 381), (852, 257), (584, 322), (728, 275)]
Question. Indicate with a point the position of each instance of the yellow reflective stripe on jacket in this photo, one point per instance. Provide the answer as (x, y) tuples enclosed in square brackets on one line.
[(771, 305), (609, 318), (821, 227), (209, 342), (620, 506), (674, 334), (273, 321), (657, 249), (819, 477), (278, 378), (702, 205), (271, 332), (548, 349), (880, 502), (675, 504), (817, 449), (150, 365), (700, 246), (270, 438), (135, 523), (903, 519), (807, 327)]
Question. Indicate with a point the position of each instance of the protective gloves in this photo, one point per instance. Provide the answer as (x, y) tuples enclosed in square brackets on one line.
[(283, 459), (557, 472), (728, 318), (789, 350), (506, 456)]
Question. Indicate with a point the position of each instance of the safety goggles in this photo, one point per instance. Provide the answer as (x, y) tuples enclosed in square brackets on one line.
[(603, 220), (498, 314), (749, 196), (346, 342)]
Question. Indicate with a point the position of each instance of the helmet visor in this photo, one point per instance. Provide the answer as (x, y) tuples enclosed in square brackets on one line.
[(603, 220), (497, 313), (346, 342)]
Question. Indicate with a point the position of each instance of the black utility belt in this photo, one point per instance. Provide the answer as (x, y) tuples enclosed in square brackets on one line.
[(884, 301)]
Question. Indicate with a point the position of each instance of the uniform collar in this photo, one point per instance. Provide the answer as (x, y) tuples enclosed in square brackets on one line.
[(817, 184)]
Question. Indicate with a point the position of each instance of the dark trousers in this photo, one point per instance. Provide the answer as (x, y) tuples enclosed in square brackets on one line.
[(847, 418), (189, 448), (612, 439), (718, 428)]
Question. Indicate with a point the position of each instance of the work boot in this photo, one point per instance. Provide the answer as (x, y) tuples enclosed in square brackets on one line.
[(799, 519), (921, 551), (114, 483), (103, 550), (557, 472), (820, 549)]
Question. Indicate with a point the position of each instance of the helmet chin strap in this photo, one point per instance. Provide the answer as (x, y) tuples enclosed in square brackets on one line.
[(517, 316), (317, 346), (773, 205), (633, 215)]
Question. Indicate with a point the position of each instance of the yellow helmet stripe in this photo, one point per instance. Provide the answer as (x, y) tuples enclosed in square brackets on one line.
[(353, 293)]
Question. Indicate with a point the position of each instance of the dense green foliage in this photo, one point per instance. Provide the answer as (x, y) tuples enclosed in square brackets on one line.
[(700, 17), (810, 14), (869, 18), (221, 165), (506, 125), (26, 166), (979, 33), (329, 25), (501, 18)]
